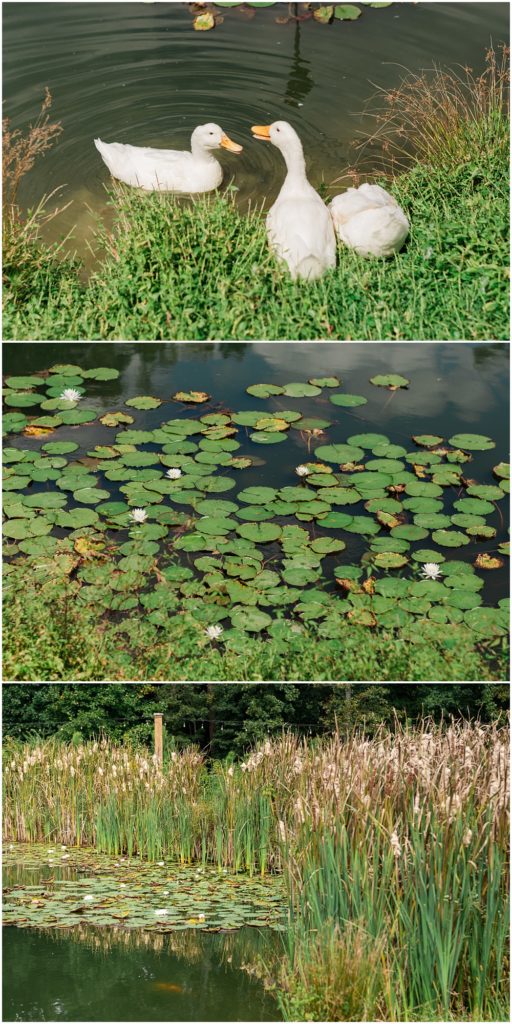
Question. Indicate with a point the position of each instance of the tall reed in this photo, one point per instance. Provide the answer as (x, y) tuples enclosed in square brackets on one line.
[(394, 850)]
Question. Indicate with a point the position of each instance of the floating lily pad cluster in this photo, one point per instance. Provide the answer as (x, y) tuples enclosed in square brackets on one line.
[(135, 894), (156, 523)]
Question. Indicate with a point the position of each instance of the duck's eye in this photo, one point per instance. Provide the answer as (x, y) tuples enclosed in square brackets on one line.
[(211, 133)]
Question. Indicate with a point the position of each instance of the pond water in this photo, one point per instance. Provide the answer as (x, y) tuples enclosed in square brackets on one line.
[(138, 73), (453, 389), (92, 973), (98, 975)]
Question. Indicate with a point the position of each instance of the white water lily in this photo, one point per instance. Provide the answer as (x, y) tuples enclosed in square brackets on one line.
[(431, 571), (70, 395), (138, 515), (173, 474), (159, 913), (160, 863), (302, 470), (87, 899), (213, 632)]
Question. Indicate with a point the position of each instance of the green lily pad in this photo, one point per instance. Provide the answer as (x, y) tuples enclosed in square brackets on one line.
[(22, 399), (90, 495), (325, 382), (299, 390), (143, 402), (257, 495), (260, 533), (24, 383), (389, 560), (428, 440), (487, 621), (264, 390), (346, 12), (347, 401), (253, 620), (450, 538), (340, 453), (472, 442), (267, 437), (390, 380)]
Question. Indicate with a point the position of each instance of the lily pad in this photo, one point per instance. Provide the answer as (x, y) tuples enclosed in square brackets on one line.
[(143, 402), (472, 442), (390, 380), (347, 401)]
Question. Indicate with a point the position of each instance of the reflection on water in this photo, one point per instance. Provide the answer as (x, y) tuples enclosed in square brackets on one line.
[(86, 973), (453, 388), (116, 974), (138, 73)]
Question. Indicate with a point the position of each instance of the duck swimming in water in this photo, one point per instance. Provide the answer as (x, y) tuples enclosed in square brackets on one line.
[(170, 170)]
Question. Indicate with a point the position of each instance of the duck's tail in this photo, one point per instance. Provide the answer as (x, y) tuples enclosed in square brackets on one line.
[(309, 268), (107, 151)]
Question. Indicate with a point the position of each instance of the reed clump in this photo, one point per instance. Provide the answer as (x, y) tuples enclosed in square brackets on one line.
[(445, 117), (394, 850), (23, 254)]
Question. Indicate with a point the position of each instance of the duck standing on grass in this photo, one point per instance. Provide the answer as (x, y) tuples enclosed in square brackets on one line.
[(369, 220), (299, 227), (170, 170)]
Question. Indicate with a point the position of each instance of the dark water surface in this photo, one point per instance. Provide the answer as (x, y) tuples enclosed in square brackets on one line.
[(138, 73), (92, 974), (112, 974), (454, 388)]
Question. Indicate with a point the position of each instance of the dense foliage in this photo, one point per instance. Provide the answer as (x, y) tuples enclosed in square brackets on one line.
[(223, 719)]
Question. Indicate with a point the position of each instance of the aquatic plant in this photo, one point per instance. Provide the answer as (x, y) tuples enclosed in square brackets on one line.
[(140, 526), (324, 14)]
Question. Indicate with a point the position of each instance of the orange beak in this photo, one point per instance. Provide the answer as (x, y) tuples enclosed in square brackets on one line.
[(228, 143), (261, 131)]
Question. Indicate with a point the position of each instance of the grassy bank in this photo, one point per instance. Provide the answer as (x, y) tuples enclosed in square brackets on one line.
[(55, 637), (181, 269), (393, 850), (202, 271)]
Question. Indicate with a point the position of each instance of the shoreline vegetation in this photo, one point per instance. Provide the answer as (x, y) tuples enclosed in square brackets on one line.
[(53, 637), (195, 270), (392, 849)]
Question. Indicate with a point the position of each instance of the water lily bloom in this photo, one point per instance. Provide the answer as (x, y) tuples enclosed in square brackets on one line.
[(160, 863), (70, 395), (213, 632), (88, 898), (138, 515), (302, 470), (431, 571), (173, 474), (160, 912)]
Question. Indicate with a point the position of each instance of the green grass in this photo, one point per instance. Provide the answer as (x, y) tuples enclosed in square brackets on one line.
[(176, 269), (56, 637)]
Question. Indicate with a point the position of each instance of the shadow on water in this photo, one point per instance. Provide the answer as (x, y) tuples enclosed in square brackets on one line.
[(138, 73)]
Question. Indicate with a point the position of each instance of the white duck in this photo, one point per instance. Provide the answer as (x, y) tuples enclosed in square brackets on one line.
[(369, 220), (299, 227), (170, 170)]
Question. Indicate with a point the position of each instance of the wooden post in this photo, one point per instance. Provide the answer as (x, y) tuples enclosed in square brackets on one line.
[(159, 742)]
